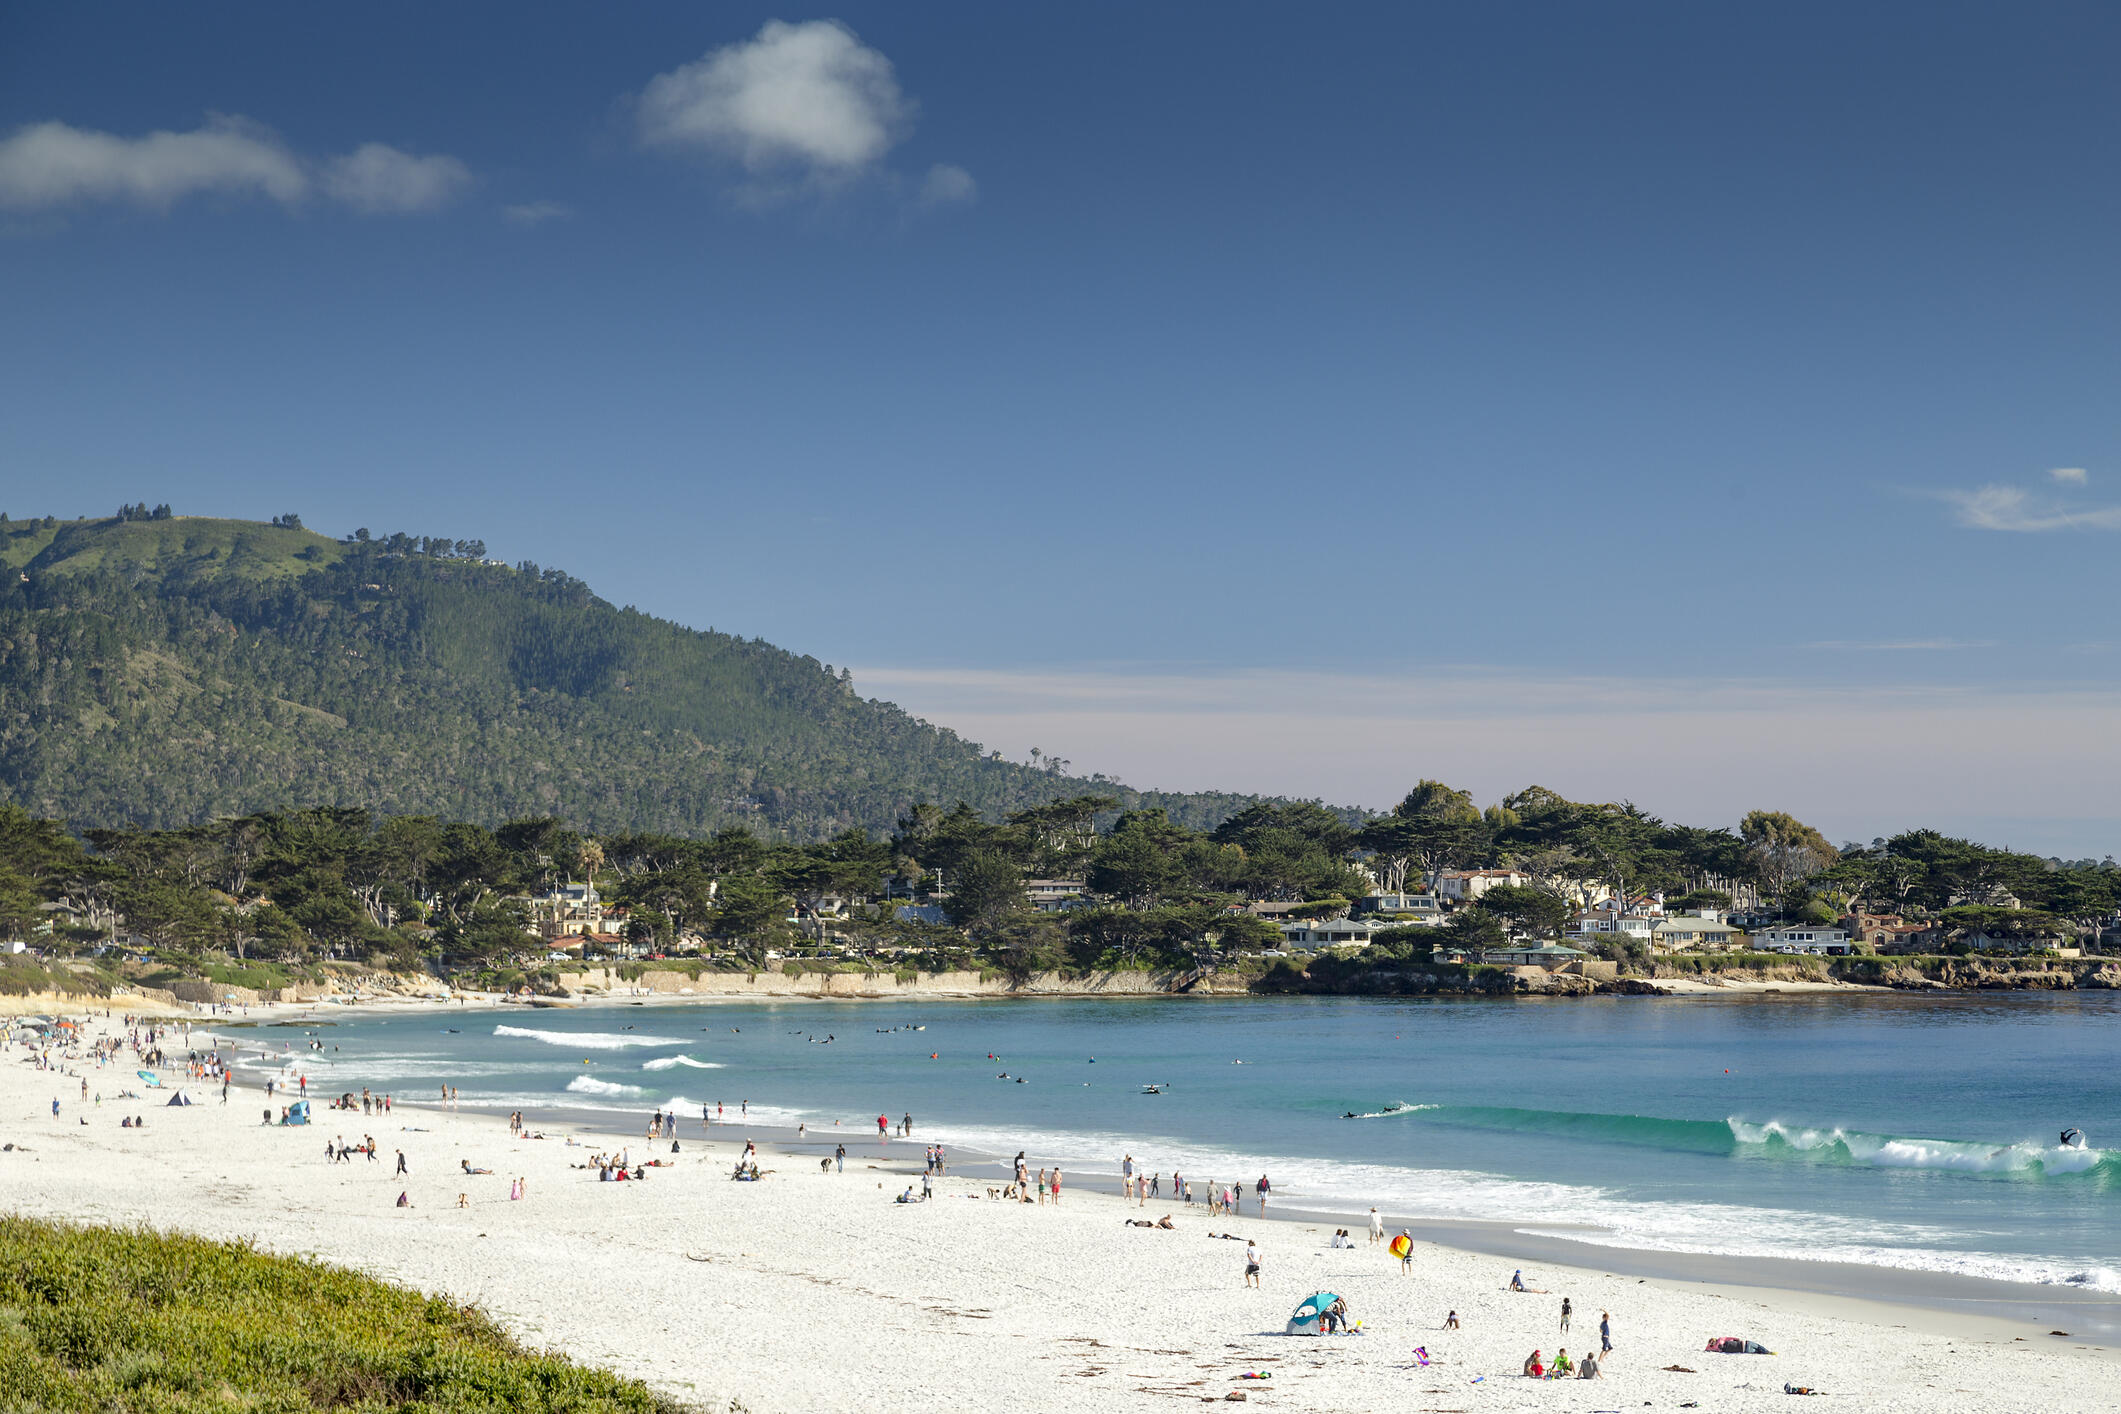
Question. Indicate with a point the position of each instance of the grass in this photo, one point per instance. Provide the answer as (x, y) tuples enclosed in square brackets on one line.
[(193, 544), (127, 1322), (21, 975)]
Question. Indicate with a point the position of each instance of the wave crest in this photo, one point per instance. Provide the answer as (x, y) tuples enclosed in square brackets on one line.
[(586, 1040)]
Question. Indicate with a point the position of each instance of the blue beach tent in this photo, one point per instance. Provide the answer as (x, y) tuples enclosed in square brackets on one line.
[(297, 1113), (1305, 1319)]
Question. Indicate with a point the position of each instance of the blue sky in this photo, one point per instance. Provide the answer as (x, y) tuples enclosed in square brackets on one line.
[(1656, 401)]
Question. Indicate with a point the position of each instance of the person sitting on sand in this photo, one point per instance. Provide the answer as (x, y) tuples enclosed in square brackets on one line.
[(1563, 1366), (1533, 1369), (404, 1199), (1166, 1224), (1589, 1370), (462, 1201), (1450, 1321)]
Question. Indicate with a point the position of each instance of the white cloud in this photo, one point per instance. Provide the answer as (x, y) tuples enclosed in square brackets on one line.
[(49, 165), (2001, 507), (947, 185), (2071, 475), (800, 107), (808, 96), (54, 164), (535, 213), (1855, 761), (377, 177)]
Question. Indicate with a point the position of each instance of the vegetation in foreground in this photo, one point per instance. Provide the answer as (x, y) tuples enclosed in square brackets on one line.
[(96, 1319)]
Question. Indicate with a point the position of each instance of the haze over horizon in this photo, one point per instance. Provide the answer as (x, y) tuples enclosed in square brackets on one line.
[(1701, 408)]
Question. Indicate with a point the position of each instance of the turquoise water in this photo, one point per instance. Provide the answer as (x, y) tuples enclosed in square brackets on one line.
[(1910, 1132)]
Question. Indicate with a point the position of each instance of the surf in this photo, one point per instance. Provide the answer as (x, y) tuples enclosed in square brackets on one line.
[(666, 1062), (590, 1085), (586, 1040)]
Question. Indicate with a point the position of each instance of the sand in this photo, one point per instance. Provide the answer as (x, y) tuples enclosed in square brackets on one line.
[(814, 1290)]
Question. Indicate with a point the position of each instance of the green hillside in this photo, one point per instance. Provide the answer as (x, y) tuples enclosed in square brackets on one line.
[(159, 672)]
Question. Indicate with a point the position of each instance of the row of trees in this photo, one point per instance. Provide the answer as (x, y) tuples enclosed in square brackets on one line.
[(335, 882)]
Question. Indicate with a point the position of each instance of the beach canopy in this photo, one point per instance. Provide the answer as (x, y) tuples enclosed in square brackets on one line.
[(1304, 1319), (149, 1077), (297, 1113)]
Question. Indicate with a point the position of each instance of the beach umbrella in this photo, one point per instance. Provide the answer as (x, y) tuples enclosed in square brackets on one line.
[(149, 1077)]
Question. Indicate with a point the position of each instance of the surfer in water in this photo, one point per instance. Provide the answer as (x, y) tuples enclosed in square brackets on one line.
[(2073, 1138)]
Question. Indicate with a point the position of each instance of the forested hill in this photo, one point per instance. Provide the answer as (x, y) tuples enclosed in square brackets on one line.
[(161, 670)]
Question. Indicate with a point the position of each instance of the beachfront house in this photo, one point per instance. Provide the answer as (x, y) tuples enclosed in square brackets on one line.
[(1701, 932), (1414, 908), (1313, 935), (1804, 938), (566, 910), (1053, 895), (1609, 923)]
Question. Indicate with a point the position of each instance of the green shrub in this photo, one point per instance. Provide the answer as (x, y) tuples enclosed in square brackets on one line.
[(97, 1319)]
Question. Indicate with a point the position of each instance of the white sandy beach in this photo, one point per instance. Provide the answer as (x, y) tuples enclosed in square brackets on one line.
[(813, 1290)]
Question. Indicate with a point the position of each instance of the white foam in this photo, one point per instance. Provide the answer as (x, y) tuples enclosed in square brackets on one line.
[(590, 1085), (1887, 1151), (666, 1062), (586, 1040)]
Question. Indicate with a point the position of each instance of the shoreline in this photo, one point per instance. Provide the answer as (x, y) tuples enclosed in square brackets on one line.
[(785, 1293), (1947, 1304)]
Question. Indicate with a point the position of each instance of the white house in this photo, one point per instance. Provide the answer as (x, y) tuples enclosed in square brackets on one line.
[(1310, 936), (1053, 895), (1467, 885), (1804, 938), (1608, 924)]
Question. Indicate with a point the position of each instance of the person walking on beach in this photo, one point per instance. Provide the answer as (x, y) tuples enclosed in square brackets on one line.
[(839, 1157), (1377, 1226), (1251, 1263), (1406, 1258), (1263, 1189), (1126, 1177), (401, 1160), (1566, 1311), (1605, 1333)]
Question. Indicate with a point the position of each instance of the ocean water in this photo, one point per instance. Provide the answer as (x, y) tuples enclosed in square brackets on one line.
[(1915, 1132)]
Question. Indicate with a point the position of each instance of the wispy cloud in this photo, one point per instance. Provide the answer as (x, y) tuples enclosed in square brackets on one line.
[(535, 213), (799, 107), (377, 178), (54, 165), (946, 185), (1903, 645), (2002, 506)]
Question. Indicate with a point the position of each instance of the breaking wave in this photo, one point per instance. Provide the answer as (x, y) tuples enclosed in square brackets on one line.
[(1777, 1139), (666, 1062), (590, 1085), (586, 1040)]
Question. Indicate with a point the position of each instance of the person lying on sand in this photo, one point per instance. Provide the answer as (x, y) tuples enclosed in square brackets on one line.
[(465, 1164)]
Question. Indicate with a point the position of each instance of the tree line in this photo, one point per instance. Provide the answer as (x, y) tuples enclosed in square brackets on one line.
[(335, 882)]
